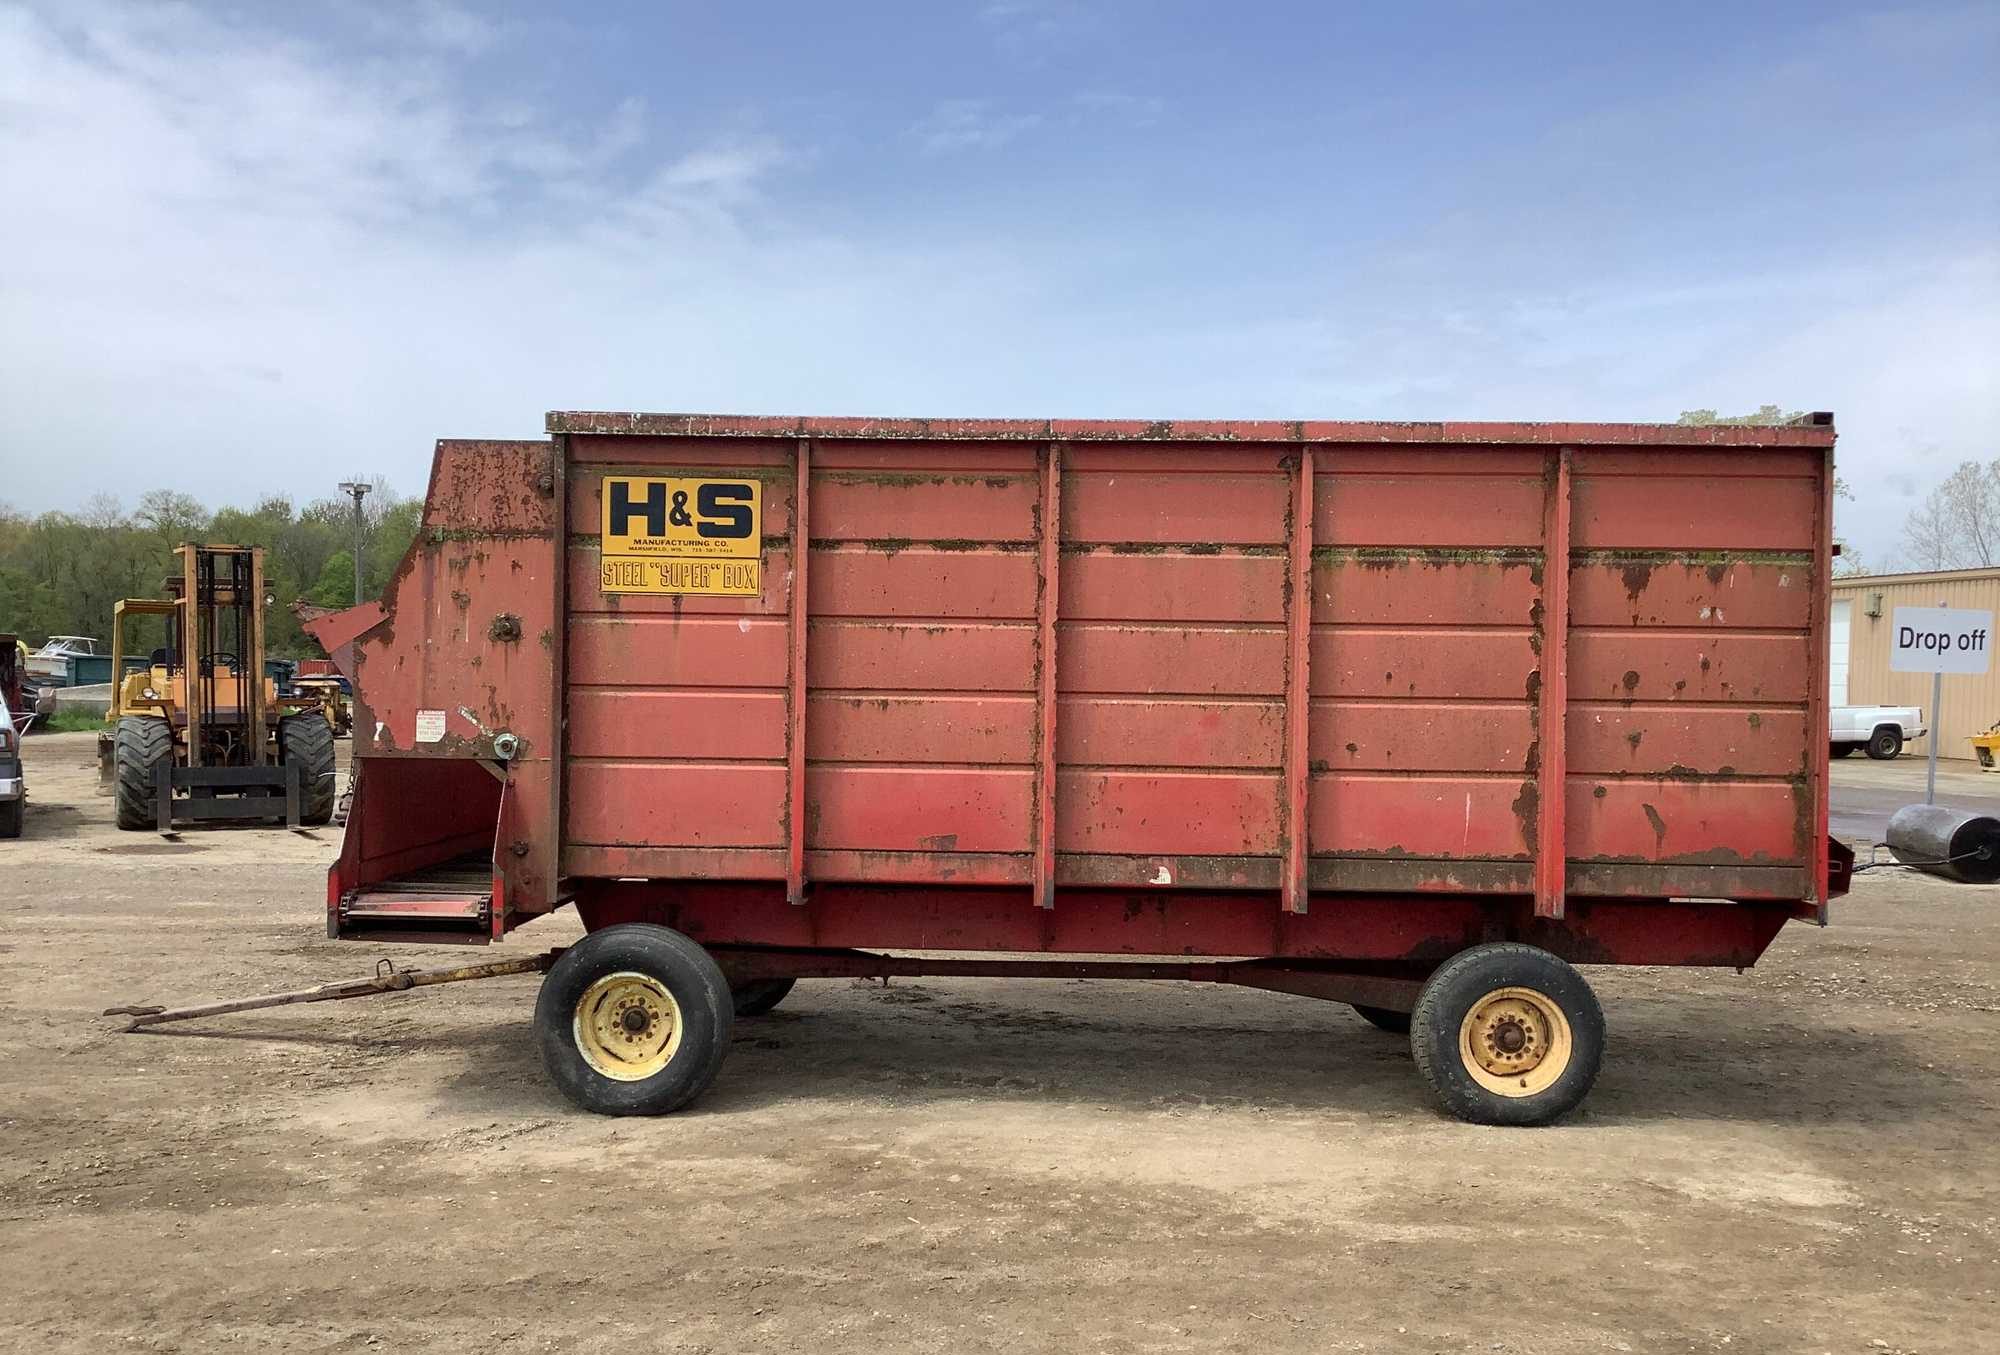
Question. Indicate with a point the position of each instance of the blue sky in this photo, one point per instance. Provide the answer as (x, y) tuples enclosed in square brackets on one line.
[(253, 248)]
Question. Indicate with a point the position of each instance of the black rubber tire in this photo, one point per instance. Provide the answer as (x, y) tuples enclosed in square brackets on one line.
[(306, 741), (1840, 749), (1450, 994), (1395, 1023), (698, 987), (141, 743), (11, 814), (1885, 743), (760, 995)]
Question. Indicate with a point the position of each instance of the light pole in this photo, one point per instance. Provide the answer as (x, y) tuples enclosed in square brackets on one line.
[(355, 489)]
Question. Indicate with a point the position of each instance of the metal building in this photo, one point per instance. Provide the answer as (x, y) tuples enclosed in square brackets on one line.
[(1858, 650)]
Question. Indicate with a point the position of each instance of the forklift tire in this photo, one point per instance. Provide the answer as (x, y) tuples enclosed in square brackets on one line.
[(759, 996), (142, 743), (306, 742), (634, 1020), (1395, 1023), (11, 815), (1507, 1034)]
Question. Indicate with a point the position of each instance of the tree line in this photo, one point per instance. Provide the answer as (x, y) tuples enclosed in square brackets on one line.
[(60, 573)]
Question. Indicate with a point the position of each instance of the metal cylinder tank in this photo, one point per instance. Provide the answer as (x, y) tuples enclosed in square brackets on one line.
[(1954, 843)]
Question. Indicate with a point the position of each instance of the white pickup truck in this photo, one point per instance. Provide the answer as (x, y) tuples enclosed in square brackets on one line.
[(1882, 730)]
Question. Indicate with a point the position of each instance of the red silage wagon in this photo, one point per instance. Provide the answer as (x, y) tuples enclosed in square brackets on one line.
[(1412, 716)]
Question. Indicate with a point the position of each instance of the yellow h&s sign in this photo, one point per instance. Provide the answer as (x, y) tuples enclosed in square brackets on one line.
[(671, 535)]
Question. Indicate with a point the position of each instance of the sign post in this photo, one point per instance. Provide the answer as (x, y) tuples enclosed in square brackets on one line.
[(1939, 640), (1937, 724)]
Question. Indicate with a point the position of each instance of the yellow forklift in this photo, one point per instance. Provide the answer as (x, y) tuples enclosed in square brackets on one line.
[(200, 733)]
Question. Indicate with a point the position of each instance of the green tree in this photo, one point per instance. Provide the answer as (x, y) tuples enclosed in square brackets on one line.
[(336, 582), (395, 527), (61, 572), (1764, 416), (172, 518)]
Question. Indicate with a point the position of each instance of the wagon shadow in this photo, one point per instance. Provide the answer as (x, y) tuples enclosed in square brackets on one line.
[(1791, 1076), (1329, 1064), (791, 1058)]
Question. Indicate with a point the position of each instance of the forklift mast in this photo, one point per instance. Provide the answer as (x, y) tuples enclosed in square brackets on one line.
[(223, 624)]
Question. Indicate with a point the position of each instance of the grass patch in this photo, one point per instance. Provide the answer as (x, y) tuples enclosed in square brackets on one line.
[(72, 722)]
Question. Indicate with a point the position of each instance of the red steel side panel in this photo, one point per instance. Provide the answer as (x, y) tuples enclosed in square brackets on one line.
[(1432, 731), (1173, 679), (1427, 583), (1693, 646), (898, 650), (1359, 658)]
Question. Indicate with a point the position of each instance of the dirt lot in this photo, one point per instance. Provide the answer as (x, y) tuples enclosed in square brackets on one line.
[(1803, 1158)]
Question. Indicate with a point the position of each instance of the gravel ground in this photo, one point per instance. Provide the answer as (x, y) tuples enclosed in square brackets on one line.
[(1801, 1158)]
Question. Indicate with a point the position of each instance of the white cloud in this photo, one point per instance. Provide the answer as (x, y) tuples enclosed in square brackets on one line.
[(1134, 110), (1033, 31), (970, 125), (730, 168), (453, 28)]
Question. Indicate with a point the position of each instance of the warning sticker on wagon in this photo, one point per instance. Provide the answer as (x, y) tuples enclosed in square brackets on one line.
[(664, 535)]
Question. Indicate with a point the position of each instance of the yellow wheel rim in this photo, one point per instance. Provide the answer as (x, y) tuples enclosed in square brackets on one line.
[(627, 1026), (1515, 1042)]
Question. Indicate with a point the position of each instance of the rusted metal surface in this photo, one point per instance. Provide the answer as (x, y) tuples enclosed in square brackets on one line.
[(441, 692), (1191, 430), (336, 631), (1416, 931), (1497, 670)]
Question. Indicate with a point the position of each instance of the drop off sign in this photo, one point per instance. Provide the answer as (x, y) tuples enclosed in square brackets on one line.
[(1940, 640)]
